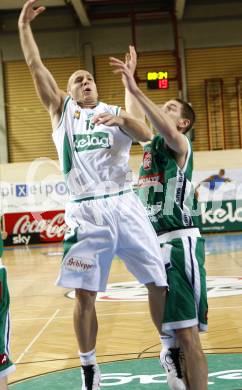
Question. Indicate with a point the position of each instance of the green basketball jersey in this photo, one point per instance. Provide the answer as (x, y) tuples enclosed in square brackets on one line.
[(166, 190)]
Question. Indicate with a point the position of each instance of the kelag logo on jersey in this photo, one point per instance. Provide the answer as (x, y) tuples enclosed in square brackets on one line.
[(97, 140)]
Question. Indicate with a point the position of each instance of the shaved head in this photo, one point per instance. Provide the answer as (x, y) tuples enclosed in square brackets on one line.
[(80, 72), (82, 88)]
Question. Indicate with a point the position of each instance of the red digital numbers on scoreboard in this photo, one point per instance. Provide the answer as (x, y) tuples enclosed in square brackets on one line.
[(163, 84)]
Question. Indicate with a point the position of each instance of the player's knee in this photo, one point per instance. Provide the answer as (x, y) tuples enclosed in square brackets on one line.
[(189, 340), (85, 299), (156, 290), (184, 336)]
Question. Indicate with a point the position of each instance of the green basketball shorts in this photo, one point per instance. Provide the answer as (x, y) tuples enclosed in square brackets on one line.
[(186, 303), (6, 366)]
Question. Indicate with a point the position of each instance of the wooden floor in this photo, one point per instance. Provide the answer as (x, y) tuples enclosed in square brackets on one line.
[(42, 331)]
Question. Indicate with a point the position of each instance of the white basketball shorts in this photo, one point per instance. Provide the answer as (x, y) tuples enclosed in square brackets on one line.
[(101, 228)]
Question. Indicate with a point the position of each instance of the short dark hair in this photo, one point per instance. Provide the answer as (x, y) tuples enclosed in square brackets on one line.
[(187, 113)]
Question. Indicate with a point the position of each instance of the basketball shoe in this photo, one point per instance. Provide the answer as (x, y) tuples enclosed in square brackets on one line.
[(169, 360), (91, 377)]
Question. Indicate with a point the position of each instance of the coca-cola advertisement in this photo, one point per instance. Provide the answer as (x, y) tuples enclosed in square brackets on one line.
[(33, 227)]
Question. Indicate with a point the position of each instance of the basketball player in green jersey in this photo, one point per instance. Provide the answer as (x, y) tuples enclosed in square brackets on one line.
[(6, 366), (165, 189)]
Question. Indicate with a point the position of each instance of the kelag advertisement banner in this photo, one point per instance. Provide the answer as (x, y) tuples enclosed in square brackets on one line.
[(220, 196)]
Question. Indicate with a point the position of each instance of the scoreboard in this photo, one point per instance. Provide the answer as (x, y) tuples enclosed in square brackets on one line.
[(157, 80)]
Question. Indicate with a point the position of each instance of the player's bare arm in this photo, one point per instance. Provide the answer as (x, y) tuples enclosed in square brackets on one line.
[(136, 129), (132, 105), (50, 95), (160, 120)]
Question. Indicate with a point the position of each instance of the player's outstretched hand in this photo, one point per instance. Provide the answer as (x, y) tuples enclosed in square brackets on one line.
[(127, 76), (131, 59), (28, 13)]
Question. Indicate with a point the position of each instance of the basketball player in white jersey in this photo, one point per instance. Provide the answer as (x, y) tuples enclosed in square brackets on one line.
[(104, 216)]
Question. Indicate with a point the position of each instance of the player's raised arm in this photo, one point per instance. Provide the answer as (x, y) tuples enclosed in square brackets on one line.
[(132, 105), (159, 119), (135, 128), (51, 96)]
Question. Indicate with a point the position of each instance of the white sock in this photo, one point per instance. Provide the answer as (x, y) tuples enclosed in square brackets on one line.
[(88, 358), (168, 340)]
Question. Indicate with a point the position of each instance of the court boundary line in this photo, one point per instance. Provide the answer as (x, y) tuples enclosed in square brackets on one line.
[(37, 336), (156, 354)]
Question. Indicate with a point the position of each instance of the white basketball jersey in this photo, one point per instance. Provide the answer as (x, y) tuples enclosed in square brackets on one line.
[(93, 158)]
